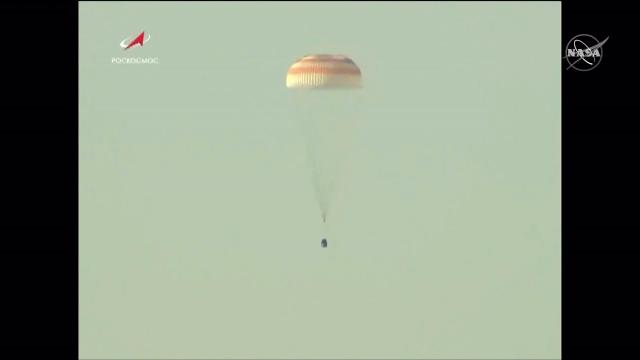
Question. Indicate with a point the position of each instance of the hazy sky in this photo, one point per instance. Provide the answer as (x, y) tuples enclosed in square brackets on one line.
[(199, 229)]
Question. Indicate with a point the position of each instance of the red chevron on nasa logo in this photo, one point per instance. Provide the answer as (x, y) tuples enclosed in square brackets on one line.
[(138, 40)]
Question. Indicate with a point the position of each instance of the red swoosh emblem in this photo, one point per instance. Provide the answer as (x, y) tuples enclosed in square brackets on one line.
[(138, 40)]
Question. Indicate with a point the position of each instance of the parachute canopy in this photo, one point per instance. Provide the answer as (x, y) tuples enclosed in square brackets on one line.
[(324, 72)]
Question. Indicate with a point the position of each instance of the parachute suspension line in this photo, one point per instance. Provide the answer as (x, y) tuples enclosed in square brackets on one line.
[(326, 138), (324, 226)]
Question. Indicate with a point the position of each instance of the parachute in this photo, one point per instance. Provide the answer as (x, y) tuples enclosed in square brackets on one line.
[(325, 93), (324, 72)]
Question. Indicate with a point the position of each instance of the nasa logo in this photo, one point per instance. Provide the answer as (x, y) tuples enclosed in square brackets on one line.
[(584, 52)]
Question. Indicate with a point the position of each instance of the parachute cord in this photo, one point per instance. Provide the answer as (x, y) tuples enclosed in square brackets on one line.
[(324, 225)]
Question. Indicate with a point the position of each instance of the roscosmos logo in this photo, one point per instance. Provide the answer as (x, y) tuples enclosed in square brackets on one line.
[(127, 43), (135, 41)]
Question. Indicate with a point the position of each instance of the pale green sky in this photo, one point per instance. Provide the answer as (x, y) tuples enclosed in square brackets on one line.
[(199, 230)]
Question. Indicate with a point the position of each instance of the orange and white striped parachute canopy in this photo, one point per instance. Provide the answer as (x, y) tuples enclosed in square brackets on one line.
[(324, 72)]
